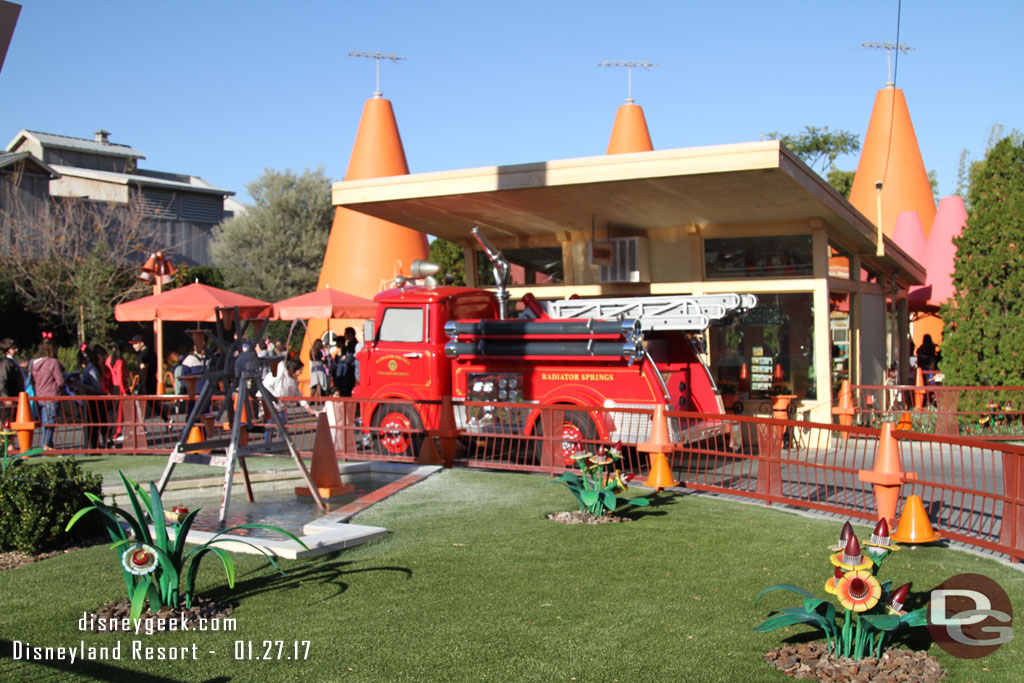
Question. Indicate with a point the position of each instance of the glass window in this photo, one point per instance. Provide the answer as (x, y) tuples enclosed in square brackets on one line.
[(401, 325), (769, 351), (736, 258)]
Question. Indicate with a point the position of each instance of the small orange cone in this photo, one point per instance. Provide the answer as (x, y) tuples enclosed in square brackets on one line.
[(919, 393), (906, 423), (324, 469), (629, 132), (744, 383), (195, 435), (660, 474), (914, 526), (845, 409), (23, 423), (777, 375)]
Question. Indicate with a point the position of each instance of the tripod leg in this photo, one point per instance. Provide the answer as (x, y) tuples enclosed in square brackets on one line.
[(276, 416)]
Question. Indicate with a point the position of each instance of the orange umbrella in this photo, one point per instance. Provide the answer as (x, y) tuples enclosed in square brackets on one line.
[(193, 303), (324, 304)]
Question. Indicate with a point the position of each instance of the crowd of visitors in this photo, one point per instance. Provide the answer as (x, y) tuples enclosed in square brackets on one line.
[(334, 371)]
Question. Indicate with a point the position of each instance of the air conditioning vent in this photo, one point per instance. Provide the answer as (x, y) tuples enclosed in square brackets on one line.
[(630, 261)]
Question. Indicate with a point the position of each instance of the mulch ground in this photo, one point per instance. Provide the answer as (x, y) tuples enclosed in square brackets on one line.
[(811, 661), (113, 616), (16, 558), (575, 517)]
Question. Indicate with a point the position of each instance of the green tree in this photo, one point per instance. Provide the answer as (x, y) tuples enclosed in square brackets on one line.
[(450, 257), (275, 249), (819, 147), (983, 339), (71, 261)]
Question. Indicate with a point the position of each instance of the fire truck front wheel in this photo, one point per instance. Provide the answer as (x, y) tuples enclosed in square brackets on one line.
[(397, 430)]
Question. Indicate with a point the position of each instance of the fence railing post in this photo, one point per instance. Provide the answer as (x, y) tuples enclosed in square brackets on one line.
[(1011, 530)]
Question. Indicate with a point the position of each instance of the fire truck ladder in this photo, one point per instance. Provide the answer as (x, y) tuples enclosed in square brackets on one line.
[(688, 313)]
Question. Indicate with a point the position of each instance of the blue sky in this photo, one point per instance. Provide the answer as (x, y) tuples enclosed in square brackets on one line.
[(225, 88)]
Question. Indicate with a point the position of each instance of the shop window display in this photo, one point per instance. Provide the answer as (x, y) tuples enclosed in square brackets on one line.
[(773, 342)]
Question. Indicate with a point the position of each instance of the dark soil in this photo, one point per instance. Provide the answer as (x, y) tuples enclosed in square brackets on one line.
[(811, 661), (575, 517), (115, 613)]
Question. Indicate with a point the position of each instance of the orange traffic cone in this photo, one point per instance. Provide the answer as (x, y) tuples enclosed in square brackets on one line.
[(23, 423), (777, 375), (919, 393), (660, 474), (887, 475), (914, 526), (629, 132), (906, 423), (324, 469), (195, 435), (845, 409), (744, 383)]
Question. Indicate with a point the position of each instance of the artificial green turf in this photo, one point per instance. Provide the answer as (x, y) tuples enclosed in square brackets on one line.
[(144, 468), (474, 583)]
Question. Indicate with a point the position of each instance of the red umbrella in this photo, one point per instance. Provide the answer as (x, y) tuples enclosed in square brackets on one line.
[(195, 302), (324, 304)]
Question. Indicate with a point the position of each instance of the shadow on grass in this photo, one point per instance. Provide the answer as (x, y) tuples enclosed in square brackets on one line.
[(658, 499), (329, 573), (94, 669)]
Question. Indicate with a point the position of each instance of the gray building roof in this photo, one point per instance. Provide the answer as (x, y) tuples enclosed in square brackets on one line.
[(8, 158), (79, 144), (172, 181)]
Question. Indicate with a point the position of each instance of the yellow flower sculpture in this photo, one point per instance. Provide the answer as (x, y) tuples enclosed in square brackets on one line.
[(858, 591)]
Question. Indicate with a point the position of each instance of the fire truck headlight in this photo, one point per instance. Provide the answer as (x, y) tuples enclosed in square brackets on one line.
[(488, 387), (478, 387), (513, 383), (502, 383), (502, 395)]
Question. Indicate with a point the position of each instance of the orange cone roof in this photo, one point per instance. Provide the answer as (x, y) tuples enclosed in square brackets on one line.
[(906, 186), (364, 252), (629, 133)]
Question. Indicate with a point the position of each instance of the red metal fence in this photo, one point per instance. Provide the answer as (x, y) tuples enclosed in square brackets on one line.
[(993, 413), (972, 489)]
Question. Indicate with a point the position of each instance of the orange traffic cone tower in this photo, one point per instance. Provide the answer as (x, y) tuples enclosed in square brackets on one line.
[(845, 408), (887, 475), (363, 253), (659, 475), (324, 469), (23, 423), (891, 155), (914, 526)]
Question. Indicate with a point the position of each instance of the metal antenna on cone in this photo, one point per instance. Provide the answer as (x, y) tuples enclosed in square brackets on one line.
[(629, 65), (377, 56)]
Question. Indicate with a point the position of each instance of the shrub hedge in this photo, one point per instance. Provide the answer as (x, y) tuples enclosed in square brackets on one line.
[(37, 502)]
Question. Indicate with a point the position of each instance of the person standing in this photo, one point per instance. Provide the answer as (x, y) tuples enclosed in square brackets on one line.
[(119, 380), (317, 369), (92, 381), (346, 375), (147, 366), (48, 379), (12, 382)]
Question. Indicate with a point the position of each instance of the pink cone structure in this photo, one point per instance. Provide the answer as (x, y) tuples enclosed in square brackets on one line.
[(950, 220), (909, 236)]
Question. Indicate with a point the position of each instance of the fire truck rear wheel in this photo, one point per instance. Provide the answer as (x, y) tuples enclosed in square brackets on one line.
[(578, 433), (397, 430)]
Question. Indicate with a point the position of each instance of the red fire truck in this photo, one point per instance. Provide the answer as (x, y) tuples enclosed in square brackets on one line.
[(429, 340)]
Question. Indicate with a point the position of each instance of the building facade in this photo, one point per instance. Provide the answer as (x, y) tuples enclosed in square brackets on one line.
[(180, 210)]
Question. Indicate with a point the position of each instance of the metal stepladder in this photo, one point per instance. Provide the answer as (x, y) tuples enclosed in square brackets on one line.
[(236, 370)]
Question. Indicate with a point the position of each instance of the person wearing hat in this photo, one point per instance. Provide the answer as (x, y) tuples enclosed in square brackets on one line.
[(147, 365)]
